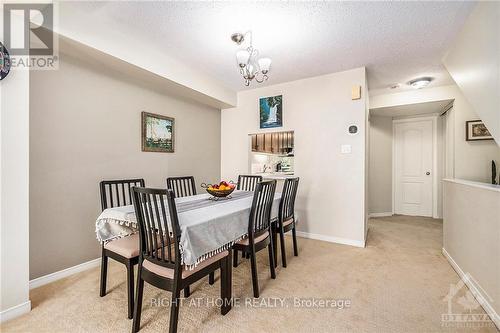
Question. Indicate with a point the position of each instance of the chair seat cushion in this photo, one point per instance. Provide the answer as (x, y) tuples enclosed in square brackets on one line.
[(256, 240), (169, 272), (127, 247), (287, 222)]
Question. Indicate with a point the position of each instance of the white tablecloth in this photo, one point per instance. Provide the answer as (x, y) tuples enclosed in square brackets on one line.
[(207, 227)]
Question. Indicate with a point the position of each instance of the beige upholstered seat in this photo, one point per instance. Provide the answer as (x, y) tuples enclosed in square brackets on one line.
[(127, 247), (256, 240), (169, 272), (287, 222)]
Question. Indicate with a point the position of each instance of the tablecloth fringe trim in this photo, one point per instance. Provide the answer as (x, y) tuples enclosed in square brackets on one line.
[(119, 222), (211, 253)]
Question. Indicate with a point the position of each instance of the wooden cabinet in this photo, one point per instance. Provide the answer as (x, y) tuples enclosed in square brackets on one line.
[(254, 143), (268, 143), (273, 142), (276, 143), (259, 142)]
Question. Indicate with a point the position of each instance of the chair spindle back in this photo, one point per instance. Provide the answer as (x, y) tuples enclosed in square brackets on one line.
[(248, 182), (260, 214), (182, 186), (287, 202), (116, 193), (159, 239)]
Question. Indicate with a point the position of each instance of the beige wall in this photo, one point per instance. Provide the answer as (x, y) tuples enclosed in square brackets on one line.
[(85, 127), (331, 198), (469, 160), (474, 63), (472, 237), (380, 167)]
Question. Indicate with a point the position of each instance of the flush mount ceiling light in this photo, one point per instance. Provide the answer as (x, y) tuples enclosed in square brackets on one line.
[(251, 67), (421, 82)]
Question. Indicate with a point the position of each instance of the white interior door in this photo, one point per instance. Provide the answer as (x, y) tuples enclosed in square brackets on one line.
[(413, 167)]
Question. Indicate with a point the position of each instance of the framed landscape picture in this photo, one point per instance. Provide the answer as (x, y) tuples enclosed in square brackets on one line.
[(157, 133), (271, 111), (476, 130)]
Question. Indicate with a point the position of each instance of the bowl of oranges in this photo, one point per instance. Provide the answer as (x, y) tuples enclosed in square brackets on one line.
[(221, 190)]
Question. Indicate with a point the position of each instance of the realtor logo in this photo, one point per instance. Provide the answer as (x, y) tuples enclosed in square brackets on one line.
[(28, 34), (471, 315)]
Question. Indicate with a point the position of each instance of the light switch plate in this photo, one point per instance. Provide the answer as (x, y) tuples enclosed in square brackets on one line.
[(345, 149)]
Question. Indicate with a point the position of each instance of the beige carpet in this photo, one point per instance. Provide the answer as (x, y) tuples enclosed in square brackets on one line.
[(396, 284)]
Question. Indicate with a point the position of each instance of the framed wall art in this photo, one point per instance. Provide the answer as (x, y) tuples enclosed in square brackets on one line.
[(475, 130), (157, 133)]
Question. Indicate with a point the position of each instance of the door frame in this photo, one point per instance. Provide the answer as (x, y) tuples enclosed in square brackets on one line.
[(433, 118)]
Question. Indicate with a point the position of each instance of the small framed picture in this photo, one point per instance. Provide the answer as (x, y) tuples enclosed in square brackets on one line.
[(475, 130), (157, 133), (271, 111)]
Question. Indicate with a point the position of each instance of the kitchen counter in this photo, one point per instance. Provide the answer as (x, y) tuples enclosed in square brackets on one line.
[(276, 175)]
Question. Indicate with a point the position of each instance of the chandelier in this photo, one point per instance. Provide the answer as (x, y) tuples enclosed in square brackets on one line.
[(251, 67)]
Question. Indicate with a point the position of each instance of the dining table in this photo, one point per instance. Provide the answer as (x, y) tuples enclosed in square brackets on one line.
[(208, 225)]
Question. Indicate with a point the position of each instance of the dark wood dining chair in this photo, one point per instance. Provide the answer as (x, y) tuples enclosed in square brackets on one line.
[(125, 250), (286, 219), (182, 186), (248, 182), (259, 231), (160, 258)]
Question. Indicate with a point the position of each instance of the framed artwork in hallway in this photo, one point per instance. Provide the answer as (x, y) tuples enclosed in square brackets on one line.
[(271, 111), (157, 133), (475, 130)]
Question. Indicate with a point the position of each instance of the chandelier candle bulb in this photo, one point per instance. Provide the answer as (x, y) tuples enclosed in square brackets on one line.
[(264, 64), (242, 57)]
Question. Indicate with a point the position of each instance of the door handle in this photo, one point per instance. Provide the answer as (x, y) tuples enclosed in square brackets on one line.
[(427, 173)]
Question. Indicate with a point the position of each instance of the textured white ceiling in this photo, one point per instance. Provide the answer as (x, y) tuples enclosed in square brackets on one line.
[(396, 41)]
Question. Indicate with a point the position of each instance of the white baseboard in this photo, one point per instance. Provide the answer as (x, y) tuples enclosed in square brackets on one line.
[(15, 311), (483, 300), (43, 280), (331, 239), (385, 214)]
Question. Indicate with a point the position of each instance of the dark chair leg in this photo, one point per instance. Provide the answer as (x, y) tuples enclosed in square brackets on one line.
[(271, 259), (187, 292), (211, 278), (294, 237), (104, 273), (282, 245), (255, 281), (235, 258), (174, 311), (130, 289), (136, 324), (225, 284), (275, 246)]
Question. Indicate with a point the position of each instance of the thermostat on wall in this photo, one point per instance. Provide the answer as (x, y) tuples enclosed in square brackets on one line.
[(353, 129)]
